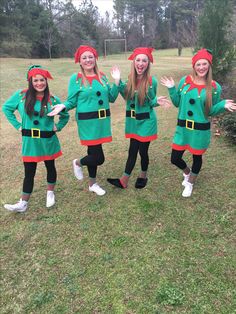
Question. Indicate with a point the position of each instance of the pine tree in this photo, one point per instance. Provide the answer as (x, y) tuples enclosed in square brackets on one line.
[(214, 28)]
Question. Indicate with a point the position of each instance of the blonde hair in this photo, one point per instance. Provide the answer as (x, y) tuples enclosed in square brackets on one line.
[(208, 89), (84, 79), (133, 82)]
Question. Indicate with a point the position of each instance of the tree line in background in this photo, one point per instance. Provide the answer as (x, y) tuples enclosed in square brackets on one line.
[(55, 28)]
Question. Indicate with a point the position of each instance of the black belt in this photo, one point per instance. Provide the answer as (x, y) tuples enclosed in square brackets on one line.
[(37, 133), (192, 125), (137, 116), (100, 114)]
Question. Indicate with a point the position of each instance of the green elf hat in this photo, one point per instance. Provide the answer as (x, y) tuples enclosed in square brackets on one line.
[(38, 69)]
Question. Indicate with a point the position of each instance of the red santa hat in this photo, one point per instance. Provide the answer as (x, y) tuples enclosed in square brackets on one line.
[(142, 50), (37, 69), (82, 49), (202, 54)]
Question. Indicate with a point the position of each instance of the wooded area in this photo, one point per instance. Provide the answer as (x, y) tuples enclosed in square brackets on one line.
[(54, 28)]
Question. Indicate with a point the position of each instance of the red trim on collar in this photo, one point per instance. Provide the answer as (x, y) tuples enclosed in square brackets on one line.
[(80, 76), (23, 91), (40, 98), (189, 81)]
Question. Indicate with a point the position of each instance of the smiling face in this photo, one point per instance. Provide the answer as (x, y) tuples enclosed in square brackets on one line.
[(141, 63), (201, 68), (88, 62), (39, 83)]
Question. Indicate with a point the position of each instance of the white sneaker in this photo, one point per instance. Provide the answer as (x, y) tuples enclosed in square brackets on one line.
[(97, 189), (78, 172), (186, 177), (187, 190), (50, 199), (19, 207)]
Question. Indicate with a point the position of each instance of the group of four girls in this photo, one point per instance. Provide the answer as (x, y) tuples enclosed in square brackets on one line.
[(197, 97)]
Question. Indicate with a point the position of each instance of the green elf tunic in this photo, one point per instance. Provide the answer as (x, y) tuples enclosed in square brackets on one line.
[(193, 127), (141, 120), (91, 101), (39, 141)]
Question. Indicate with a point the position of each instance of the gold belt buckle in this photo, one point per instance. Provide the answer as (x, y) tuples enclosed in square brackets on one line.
[(35, 133), (102, 114), (189, 124), (132, 114)]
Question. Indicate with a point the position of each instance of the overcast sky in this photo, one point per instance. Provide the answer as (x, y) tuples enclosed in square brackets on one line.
[(103, 5)]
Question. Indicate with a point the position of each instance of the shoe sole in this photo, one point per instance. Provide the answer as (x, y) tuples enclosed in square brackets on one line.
[(50, 205), (15, 210), (97, 193)]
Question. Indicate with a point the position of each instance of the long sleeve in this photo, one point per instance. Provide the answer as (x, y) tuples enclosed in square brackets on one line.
[(10, 106), (113, 90), (153, 93), (218, 105), (63, 118), (73, 90), (113, 93), (175, 93), (122, 87)]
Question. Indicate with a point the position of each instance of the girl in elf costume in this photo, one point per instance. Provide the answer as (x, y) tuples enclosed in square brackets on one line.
[(39, 139), (198, 98), (141, 121), (90, 93)]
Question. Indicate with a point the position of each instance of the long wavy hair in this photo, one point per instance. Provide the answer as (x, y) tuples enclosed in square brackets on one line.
[(30, 99), (133, 86), (208, 103)]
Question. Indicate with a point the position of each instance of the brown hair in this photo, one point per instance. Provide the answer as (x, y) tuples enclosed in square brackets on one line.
[(208, 89), (133, 82), (30, 99)]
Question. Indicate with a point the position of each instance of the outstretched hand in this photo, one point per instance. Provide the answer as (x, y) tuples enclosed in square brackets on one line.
[(56, 109), (115, 73), (164, 101), (167, 82), (230, 105)]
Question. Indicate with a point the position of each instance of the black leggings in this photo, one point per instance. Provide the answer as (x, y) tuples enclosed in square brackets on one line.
[(94, 158), (136, 147), (176, 159), (30, 170)]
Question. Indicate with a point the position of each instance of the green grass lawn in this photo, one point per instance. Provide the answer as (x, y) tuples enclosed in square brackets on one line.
[(131, 251)]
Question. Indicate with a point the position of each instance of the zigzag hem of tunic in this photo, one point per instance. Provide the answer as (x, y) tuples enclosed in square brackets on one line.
[(96, 141), (142, 138), (41, 158), (192, 150)]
